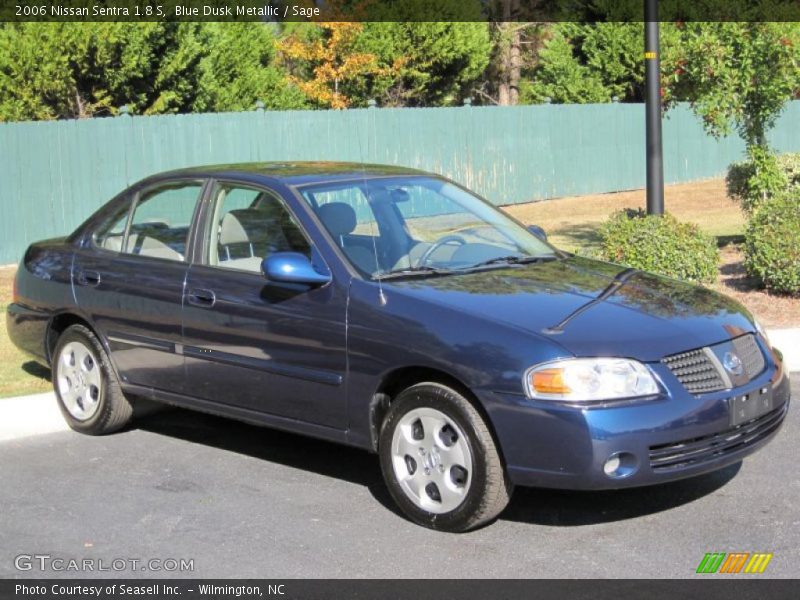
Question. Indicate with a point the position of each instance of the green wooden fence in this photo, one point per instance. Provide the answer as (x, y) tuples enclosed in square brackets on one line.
[(54, 174)]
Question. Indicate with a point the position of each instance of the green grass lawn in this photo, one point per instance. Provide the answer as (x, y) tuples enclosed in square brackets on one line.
[(571, 223), (18, 373)]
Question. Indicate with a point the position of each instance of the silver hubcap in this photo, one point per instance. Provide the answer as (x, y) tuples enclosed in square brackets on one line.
[(79, 380), (431, 460)]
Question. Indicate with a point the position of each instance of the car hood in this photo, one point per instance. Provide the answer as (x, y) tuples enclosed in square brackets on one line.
[(591, 308)]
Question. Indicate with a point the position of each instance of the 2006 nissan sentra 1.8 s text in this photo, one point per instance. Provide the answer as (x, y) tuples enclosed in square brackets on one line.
[(393, 310)]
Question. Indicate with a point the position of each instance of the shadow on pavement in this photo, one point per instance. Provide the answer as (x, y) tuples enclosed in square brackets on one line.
[(299, 452), (570, 508), (529, 505)]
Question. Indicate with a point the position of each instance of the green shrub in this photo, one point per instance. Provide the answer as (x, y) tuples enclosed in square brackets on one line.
[(660, 245), (762, 176), (772, 243)]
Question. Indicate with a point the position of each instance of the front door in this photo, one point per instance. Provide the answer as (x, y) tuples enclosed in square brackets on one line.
[(264, 347), (129, 280)]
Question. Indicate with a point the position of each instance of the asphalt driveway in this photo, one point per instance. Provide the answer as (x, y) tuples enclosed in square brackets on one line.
[(240, 501)]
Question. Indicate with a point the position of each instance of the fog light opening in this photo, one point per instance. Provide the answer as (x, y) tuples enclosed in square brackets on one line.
[(620, 464)]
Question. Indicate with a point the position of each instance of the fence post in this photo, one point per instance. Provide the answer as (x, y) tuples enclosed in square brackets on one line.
[(371, 103), (259, 106), (124, 111)]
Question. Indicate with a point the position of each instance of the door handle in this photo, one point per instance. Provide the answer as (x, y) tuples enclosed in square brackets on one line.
[(90, 278), (202, 298)]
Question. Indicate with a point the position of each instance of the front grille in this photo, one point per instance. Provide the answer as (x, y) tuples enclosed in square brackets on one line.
[(700, 371), (697, 451), (752, 358), (696, 371)]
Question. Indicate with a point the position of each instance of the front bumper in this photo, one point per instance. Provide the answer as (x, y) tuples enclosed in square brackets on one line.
[(673, 437)]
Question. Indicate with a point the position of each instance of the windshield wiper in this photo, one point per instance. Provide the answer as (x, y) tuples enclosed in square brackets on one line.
[(514, 259), (420, 270)]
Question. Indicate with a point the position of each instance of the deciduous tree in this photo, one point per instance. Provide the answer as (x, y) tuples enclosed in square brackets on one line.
[(325, 59), (737, 75)]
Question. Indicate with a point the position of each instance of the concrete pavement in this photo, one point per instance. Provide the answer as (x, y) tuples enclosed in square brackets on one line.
[(241, 501)]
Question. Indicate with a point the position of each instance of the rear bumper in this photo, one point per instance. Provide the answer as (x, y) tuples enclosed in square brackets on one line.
[(27, 329), (662, 440)]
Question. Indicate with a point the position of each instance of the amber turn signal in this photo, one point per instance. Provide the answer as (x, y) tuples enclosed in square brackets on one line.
[(549, 381)]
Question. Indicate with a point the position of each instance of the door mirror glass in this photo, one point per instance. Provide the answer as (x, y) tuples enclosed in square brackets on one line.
[(293, 267), (538, 232)]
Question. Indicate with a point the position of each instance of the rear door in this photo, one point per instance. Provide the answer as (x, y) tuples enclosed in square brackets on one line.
[(272, 348), (129, 278)]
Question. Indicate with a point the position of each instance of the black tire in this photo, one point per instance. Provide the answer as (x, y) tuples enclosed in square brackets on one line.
[(489, 489), (114, 410)]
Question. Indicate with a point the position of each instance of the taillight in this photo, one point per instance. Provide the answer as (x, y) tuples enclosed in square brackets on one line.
[(14, 292)]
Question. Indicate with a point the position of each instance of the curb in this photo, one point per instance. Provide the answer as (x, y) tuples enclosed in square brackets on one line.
[(788, 342), (25, 416)]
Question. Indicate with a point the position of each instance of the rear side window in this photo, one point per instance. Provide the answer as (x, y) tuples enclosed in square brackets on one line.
[(111, 235), (159, 226)]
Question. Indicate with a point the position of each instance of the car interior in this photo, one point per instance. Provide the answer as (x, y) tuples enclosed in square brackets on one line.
[(159, 226), (156, 239), (389, 227), (380, 228), (246, 235)]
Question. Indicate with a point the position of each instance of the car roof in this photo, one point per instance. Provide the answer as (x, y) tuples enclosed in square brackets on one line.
[(290, 173)]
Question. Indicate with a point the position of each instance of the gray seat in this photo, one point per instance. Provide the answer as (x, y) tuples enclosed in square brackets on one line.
[(340, 220), (144, 246), (233, 233), (150, 246)]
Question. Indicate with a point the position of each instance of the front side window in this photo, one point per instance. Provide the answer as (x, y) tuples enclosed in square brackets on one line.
[(417, 223), (159, 226), (250, 224)]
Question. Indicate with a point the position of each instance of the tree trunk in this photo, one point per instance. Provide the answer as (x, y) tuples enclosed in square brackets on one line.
[(510, 67), (514, 66)]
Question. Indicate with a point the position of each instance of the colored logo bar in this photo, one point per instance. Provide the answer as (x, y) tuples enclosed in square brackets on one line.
[(734, 562)]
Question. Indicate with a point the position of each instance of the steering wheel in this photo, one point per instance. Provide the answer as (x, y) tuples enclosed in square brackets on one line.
[(448, 239)]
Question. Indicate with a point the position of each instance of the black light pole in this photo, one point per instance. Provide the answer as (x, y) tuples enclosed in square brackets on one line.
[(652, 69)]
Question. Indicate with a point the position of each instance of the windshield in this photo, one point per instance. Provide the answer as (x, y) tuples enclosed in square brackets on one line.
[(419, 224)]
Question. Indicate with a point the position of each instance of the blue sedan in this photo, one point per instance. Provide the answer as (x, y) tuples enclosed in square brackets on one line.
[(396, 311)]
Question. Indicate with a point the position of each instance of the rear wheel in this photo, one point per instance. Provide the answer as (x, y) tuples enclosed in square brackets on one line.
[(439, 460), (86, 386)]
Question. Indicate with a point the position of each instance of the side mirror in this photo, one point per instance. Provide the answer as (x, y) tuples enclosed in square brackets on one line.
[(292, 267), (538, 232)]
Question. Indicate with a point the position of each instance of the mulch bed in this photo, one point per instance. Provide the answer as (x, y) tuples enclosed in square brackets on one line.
[(772, 310)]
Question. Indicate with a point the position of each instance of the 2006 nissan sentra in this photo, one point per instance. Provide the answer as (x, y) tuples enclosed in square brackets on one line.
[(394, 310)]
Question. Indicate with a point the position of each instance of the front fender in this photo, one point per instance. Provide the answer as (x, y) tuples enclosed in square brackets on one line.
[(407, 333)]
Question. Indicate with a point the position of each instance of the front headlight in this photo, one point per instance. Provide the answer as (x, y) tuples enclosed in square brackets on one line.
[(589, 380)]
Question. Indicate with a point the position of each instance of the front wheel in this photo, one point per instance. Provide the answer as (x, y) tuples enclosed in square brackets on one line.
[(439, 460), (86, 386)]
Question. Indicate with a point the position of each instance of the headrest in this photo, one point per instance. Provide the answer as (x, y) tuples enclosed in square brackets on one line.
[(338, 217), (231, 230)]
